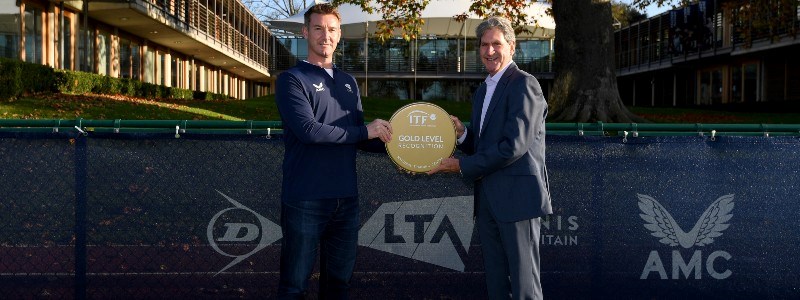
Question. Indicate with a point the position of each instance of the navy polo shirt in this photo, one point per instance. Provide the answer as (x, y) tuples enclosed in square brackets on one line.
[(323, 123)]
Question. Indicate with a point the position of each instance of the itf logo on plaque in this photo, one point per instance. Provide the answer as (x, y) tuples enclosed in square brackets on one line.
[(424, 135), (710, 225)]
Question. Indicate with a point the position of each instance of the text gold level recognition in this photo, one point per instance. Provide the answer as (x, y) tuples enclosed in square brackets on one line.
[(424, 135), (421, 141)]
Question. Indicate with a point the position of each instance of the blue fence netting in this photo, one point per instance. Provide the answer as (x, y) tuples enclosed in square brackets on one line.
[(138, 215)]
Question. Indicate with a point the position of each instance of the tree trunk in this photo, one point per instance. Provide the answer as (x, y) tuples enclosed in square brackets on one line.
[(585, 85)]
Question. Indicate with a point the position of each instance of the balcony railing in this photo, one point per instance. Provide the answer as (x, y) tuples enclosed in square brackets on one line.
[(657, 41), (236, 31), (436, 65)]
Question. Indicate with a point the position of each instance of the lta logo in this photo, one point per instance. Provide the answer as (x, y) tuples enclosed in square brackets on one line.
[(711, 225), (436, 231), (237, 228)]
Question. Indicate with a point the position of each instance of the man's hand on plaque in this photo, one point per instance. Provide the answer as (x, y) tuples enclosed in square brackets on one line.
[(459, 126), (447, 165), (380, 129)]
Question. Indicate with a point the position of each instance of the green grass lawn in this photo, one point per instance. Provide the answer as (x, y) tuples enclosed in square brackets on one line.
[(263, 109), (109, 108)]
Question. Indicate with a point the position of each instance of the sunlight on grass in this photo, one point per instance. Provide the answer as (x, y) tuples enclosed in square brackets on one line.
[(105, 107), (194, 110)]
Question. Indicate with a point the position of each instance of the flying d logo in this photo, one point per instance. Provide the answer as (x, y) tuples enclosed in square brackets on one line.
[(240, 234), (437, 231)]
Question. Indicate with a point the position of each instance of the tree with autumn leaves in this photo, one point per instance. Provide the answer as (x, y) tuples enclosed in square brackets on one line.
[(585, 85)]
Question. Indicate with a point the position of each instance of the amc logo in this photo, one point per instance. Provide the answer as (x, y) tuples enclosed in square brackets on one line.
[(663, 226)]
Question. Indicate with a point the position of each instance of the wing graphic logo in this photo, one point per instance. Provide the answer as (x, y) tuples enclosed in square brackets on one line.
[(661, 224), (319, 87)]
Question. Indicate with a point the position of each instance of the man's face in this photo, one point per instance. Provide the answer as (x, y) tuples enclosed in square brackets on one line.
[(323, 33), (496, 52)]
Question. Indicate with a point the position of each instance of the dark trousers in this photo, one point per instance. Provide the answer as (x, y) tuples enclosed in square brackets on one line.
[(510, 256), (325, 226)]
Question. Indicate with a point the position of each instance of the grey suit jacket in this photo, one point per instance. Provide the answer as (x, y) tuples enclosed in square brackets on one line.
[(507, 160)]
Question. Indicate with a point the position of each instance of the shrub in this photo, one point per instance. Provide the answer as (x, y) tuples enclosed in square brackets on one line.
[(36, 78), (10, 77), (179, 93), (18, 77)]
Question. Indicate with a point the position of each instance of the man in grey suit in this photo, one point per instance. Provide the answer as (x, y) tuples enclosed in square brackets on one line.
[(506, 160)]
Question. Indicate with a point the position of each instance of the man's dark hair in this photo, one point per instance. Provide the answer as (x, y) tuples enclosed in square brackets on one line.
[(323, 9)]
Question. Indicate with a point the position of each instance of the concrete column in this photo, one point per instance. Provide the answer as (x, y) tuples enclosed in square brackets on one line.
[(167, 80)]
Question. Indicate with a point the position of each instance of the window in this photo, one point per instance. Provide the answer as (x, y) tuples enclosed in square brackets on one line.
[(124, 58), (174, 71), (33, 35), (85, 50), (472, 60), (136, 59), (66, 43), (533, 55), (705, 89), (391, 89), (750, 84), (297, 46), (716, 86), (149, 66), (103, 54), (736, 84), (438, 55), (9, 32), (353, 55), (162, 69), (710, 87)]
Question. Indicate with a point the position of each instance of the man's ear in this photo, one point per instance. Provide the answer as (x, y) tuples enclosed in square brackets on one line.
[(305, 32)]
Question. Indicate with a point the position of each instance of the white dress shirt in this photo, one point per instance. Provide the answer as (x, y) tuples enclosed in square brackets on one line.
[(491, 84)]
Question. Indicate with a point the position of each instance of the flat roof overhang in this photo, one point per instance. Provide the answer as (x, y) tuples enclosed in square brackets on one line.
[(153, 24)]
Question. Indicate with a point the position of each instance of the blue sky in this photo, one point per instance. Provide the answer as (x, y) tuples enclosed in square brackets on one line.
[(653, 9)]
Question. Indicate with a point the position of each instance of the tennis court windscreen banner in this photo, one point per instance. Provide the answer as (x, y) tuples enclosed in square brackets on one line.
[(150, 215)]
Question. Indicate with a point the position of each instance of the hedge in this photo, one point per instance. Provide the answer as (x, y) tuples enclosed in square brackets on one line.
[(18, 78)]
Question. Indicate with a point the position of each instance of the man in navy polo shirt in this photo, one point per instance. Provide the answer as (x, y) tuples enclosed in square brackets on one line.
[(323, 127)]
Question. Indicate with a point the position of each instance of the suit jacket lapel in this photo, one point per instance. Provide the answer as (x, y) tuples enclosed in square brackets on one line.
[(498, 91), (477, 105)]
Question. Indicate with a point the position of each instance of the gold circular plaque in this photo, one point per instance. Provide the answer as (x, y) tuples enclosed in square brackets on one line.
[(422, 135)]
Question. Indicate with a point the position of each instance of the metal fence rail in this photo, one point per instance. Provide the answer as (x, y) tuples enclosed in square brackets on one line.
[(275, 127)]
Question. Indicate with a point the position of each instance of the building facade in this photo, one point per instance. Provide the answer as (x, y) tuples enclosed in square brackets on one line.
[(430, 68), (442, 64), (213, 46), (712, 53)]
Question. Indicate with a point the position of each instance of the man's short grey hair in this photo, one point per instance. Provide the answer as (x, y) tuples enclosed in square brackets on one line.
[(496, 22)]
